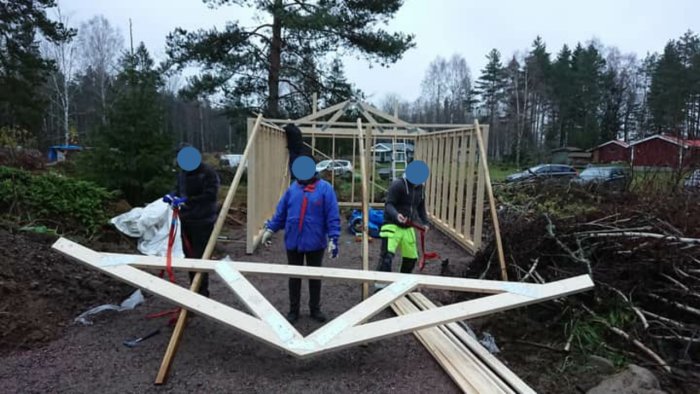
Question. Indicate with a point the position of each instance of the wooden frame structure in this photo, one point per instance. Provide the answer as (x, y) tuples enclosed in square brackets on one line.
[(266, 160), (351, 328), (455, 189)]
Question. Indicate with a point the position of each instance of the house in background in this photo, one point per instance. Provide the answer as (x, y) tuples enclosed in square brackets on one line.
[(665, 151), (571, 155), (382, 152), (614, 151)]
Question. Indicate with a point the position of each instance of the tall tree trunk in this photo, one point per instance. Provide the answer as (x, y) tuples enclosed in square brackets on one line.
[(201, 128), (66, 110), (273, 80)]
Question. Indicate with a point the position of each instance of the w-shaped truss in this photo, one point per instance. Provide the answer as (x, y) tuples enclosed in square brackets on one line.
[(350, 328)]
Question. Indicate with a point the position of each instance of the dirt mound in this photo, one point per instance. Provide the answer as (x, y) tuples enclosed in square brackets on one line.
[(41, 291)]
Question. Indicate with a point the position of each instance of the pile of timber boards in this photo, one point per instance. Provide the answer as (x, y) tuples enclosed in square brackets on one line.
[(468, 363)]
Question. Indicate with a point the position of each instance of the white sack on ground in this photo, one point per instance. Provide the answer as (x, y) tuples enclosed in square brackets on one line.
[(151, 224)]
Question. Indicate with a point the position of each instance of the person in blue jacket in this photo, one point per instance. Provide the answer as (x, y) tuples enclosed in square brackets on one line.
[(308, 213)]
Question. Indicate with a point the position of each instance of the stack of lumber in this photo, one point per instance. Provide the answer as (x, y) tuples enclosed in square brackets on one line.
[(468, 363)]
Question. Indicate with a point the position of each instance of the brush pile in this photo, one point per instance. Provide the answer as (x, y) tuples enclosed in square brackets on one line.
[(642, 249)]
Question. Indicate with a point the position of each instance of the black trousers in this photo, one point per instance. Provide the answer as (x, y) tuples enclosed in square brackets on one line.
[(198, 235), (313, 259), (386, 259)]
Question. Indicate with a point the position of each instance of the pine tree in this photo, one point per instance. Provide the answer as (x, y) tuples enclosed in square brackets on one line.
[(251, 61), (22, 69), (132, 154), (491, 88), (668, 91)]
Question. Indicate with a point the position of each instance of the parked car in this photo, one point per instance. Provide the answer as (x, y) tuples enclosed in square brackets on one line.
[(339, 167), (543, 172), (230, 160), (605, 178), (692, 182)]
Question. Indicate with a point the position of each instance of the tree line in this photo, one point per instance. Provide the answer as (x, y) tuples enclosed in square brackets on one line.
[(581, 96)]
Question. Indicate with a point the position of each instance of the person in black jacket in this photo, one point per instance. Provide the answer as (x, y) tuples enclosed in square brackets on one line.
[(295, 145), (200, 187), (405, 204)]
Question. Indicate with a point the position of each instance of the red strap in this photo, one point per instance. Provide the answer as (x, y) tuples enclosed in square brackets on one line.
[(310, 188), (424, 255), (171, 242)]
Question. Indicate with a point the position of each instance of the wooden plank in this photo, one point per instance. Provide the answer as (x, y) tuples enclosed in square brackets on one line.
[(459, 239), (432, 195), (327, 273), (373, 169), (480, 185), (359, 204), (365, 207), (445, 354), (197, 280), (354, 168), (171, 292), (475, 347), (333, 162), (251, 201), (492, 204), (440, 189), (460, 311), (468, 357), (452, 205), (461, 175), (363, 311), (519, 295), (376, 111), (449, 127), (471, 182), (317, 114), (335, 117), (256, 302)]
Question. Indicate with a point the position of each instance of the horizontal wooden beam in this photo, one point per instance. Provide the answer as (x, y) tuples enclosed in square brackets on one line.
[(169, 291), (460, 311), (343, 332)]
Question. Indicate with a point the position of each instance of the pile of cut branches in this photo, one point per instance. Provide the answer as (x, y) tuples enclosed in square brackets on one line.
[(641, 249)]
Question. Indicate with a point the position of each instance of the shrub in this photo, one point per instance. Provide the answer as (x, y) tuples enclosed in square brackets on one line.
[(73, 205)]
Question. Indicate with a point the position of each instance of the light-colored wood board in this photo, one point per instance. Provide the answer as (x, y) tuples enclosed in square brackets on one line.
[(354, 168), (452, 205), (475, 347), (459, 239), (444, 179), (174, 342), (256, 303), (480, 186), (468, 376), (460, 311), (333, 161), (471, 180), (364, 206), (326, 273), (492, 205), (172, 292), (315, 115), (363, 311), (435, 182), (461, 175)]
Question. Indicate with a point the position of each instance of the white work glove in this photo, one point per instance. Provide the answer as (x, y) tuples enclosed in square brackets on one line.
[(401, 218), (333, 247), (267, 237)]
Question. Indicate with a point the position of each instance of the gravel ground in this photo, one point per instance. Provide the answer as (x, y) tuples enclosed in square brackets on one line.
[(215, 358)]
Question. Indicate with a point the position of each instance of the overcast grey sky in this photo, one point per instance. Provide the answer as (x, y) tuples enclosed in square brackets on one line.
[(442, 27)]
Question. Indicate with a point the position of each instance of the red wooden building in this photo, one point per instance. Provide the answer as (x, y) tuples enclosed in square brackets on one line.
[(665, 151), (613, 151)]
